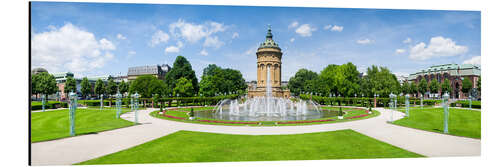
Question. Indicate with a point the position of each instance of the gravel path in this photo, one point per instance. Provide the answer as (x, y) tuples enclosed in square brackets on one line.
[(81, 148)]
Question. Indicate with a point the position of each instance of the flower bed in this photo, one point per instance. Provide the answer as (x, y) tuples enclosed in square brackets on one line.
[(282, 122), (357, 116), (174, 117), (227, 122), (299, 122)]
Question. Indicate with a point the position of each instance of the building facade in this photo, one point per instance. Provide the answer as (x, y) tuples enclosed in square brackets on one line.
[(62, 77), (158, 71), (454, 73), (269, 69)]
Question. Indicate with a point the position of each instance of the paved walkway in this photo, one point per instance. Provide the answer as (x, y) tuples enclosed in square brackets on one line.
[(81, 148)]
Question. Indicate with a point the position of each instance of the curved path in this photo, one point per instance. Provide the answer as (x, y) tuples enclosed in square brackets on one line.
[(81, 148)]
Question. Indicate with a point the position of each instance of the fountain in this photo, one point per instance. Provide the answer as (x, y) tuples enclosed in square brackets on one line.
[(268, 101), (266, 108)]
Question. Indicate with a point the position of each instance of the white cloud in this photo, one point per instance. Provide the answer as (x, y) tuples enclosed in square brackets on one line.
[(337, 28), (333, 28), (476, 60), (235, 35), (106, 45), (438, 47), (407, 40), (194, 32), (70, 48), (293, 24), (120, 36), (292, 40), (172, 49), (400, 51), (212, 42), (159, 37), (364, 41), (305, 30), (203, 52), (130, 54)]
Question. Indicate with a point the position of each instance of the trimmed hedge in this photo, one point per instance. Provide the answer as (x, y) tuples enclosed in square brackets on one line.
[(465, 104), (37, 105), (182, 101), (358, 101)]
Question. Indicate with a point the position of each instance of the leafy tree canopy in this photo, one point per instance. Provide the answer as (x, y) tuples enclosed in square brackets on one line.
[(99, 87), (147, 85), (466, 85), (183, 88), (297, 83), (181, 68), (86, 87), (216, 79), (43, 83), (70, 85)]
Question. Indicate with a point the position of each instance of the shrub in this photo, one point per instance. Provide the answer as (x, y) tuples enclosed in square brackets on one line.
[(465, 104), (37, 105)]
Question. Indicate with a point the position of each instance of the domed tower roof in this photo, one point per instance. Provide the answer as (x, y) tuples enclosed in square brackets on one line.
[(38, 70), (269, 43)]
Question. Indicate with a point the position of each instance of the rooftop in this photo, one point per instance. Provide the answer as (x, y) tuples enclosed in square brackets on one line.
[(143, 70), (269, 43)]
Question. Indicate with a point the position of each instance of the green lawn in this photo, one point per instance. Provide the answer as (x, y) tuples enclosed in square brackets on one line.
[(182, 112), (51, 125), (461, 122), (188, 146)]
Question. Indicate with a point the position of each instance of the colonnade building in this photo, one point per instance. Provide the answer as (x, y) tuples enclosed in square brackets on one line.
[(455, 73)]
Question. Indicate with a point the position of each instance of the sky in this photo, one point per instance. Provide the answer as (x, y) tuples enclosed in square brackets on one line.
[(95, 39)]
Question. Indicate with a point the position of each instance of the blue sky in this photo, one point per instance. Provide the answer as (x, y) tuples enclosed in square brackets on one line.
[(91, 39)]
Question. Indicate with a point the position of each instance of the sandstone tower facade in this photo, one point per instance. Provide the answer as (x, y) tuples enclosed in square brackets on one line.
[(269, 68)]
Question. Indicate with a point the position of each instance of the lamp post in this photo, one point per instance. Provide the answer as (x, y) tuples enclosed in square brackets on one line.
[(375, 100), (470, 101), (58, 96), (136, 101), (391, 105), (407, 103), (101, 101), (395, 101), (421, 101), (43, 103), (118, 104), (355, 99), (445, 107), (72, 110)]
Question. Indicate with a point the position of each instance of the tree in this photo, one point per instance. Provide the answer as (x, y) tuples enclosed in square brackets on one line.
[(434, 86), (422, 86), (45, 84), (297, 83), (445, 86), (413, 88), (70, 85), (405, 88), (86, 88), (111, 87), (147, 85), (123, 87), (183, 87), (346, 79), (99, 87), (380, 81), (182, 68), (466, 86), (216, 79)]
